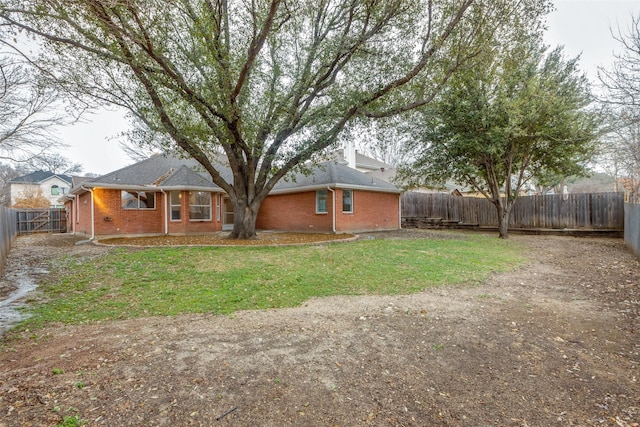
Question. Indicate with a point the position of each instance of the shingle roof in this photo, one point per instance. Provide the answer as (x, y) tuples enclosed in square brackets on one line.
[(333, 173), (39, 176), (186, 177), (156, 171), (172, 172)]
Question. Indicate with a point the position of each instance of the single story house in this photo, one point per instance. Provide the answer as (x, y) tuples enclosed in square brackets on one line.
[(169, 195), (50, 184)]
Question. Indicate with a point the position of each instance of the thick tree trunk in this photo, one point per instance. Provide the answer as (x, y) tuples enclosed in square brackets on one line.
[(244, 220), (503, 227), (504, 213)]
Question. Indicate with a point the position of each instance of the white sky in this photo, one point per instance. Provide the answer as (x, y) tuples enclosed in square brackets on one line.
[(583, 27)]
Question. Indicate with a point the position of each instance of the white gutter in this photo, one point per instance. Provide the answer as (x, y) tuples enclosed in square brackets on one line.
[(93, 217), (333, 227), (166, 212), (76, 210)]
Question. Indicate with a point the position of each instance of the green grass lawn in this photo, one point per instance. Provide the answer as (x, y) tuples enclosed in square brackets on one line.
[(129, 283)]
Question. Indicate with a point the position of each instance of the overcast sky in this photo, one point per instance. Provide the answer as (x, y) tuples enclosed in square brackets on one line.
[(581, 26)]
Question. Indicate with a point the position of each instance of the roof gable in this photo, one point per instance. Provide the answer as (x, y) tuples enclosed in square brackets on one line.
[(186, 177), (156, 171)]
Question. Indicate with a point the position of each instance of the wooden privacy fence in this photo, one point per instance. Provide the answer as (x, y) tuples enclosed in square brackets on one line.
[(42, 221), (593, 211), (8, 232)]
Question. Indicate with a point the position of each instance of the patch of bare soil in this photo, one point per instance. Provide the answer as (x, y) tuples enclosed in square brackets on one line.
[(555, 342)]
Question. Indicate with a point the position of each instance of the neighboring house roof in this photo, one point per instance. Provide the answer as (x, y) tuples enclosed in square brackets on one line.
[(332, 174), (39, 177)]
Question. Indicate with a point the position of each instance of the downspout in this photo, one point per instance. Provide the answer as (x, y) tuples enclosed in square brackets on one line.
[(333, 203), (93, 217), (76, 214), (399, 212), (166, 212)]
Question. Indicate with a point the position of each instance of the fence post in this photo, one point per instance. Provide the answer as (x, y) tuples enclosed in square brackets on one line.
[(8, 233), (632, 226)]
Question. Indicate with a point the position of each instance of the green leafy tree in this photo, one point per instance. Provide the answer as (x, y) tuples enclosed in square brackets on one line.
[(259, 87), (515, 115)]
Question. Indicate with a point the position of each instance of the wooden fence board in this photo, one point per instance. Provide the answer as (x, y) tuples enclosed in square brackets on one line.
[(42, 221), (595, 211), (8, 232)]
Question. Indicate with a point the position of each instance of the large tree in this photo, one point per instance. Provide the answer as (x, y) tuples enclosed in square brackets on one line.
[(515, 115), (267, 84)]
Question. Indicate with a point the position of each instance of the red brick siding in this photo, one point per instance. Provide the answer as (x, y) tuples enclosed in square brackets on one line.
[(294, 212), (371, 211), (297, 212), (82, 215), (287, 212), (111, 219)]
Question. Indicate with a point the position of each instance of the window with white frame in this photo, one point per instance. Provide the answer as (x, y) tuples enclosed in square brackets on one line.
[(55, 190), (138, 199), (175, 198), (347, 201), (199, 206), (321, 201)]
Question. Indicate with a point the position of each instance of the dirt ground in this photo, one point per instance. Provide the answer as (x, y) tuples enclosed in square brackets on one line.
[(556, 342)]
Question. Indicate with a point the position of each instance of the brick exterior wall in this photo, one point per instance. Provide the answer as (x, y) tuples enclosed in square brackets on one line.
[(112, 220), (371, 211), (297, 212), (294, 212), (286, 212)]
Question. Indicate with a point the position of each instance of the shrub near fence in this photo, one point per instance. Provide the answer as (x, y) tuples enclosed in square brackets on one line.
[(8, 232), (593, 211)]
